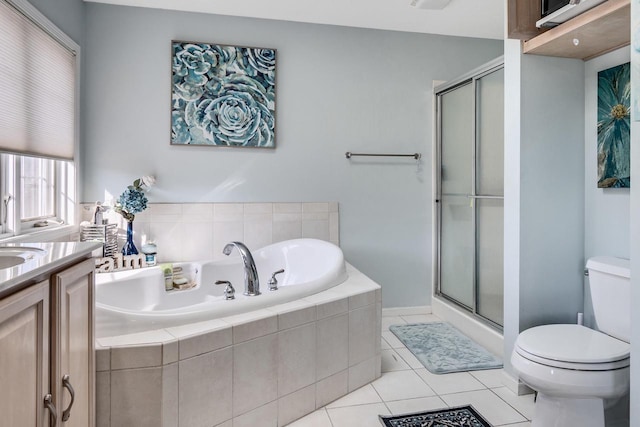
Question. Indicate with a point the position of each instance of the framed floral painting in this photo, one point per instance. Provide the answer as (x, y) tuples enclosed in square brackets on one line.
[(614, 127), (222, 95)]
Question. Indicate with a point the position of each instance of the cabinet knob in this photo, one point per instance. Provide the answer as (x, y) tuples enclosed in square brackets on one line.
[(66, 383)]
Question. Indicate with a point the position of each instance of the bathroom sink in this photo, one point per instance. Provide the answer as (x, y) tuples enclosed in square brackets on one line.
[(10, 256)]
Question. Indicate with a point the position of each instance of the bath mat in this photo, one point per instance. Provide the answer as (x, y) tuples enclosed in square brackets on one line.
[(442, 349), (463, 416)]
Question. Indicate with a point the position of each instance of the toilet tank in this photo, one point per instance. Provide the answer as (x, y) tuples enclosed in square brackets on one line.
[(610, 285)]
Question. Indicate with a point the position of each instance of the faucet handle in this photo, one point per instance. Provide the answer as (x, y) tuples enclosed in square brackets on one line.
[(273, 282), (229, 291)]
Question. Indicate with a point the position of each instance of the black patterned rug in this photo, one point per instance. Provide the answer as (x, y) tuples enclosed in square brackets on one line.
[(463, 416)]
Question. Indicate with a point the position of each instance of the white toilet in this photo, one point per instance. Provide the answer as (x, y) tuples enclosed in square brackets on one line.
[(577, 371)]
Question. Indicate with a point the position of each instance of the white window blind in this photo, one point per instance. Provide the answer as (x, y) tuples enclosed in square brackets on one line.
[(37, 89)]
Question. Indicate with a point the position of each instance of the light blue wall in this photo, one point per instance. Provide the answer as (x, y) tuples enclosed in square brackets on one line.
[(68, 15), (606, 210), (338, 89), (634, 237), (544, 200)]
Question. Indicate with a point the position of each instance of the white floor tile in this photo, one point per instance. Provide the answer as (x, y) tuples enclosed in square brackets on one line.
[(450, 383), (361, 415), (401, 385), (391, 320), (384, 345), (409, 358), (489, 377), (523, 404), (391, 361), (421, 318), (319, 418), (361, 396), (490, 406), (527, 424), (420, 404), (392, 340)]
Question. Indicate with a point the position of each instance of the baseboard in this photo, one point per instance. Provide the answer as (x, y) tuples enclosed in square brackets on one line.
[(486, 336), (514, 384), (406, 311)]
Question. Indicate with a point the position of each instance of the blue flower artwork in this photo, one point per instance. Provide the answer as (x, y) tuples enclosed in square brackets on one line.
[(223, 95), (614, 134)]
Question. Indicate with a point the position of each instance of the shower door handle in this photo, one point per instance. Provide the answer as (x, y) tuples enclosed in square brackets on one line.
[(472, 198), (484, 197)]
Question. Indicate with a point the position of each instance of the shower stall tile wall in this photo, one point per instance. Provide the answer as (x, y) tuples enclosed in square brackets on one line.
[(196, 231)]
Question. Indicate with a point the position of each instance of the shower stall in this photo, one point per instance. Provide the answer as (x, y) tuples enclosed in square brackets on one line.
[(469, 191)]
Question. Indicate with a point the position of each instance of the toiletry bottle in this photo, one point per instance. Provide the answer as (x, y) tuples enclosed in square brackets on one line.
[(167, 271), (97, 215), (150, 250)]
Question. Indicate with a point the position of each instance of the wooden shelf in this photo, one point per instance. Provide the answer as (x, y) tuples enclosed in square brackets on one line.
[(602, 29)]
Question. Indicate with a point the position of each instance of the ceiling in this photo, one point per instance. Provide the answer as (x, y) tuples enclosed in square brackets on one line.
[(467, 18)]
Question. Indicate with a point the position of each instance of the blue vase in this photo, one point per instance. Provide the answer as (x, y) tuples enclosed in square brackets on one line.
[(129, 247)]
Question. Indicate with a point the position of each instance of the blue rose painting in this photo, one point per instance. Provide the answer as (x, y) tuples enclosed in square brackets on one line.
[(223, 95), (614, 135)]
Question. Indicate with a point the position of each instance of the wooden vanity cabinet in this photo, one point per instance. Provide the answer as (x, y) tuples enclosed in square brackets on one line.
[(47, 351), (24, 357), (72, 345)]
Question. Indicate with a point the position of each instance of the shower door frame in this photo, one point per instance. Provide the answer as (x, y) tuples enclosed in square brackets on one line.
[(470, 78)]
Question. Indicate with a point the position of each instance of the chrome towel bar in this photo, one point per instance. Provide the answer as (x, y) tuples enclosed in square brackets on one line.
[(349, 154)]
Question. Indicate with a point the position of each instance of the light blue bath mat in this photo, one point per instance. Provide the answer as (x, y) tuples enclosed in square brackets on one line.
[(441, 348)]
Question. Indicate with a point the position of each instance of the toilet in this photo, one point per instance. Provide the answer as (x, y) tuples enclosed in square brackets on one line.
[(579, 372)]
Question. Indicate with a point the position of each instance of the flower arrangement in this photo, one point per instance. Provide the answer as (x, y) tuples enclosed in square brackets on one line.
[(133, 200)]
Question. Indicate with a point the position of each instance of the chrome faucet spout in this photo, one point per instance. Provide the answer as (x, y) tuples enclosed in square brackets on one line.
[(251, 282)]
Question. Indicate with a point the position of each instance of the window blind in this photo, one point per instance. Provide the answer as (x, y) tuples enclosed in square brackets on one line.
[(37, 89)]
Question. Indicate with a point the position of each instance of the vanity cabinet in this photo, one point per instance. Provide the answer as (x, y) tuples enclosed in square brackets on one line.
[(72, 345), (47, 358), (24, 356)]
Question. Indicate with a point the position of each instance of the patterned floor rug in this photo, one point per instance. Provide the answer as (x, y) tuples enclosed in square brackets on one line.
[(464, 416), (441, 348)]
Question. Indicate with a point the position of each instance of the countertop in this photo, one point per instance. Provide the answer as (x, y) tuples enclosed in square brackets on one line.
[(57, 255)]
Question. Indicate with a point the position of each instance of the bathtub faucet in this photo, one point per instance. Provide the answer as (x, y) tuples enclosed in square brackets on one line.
[(251, 282)]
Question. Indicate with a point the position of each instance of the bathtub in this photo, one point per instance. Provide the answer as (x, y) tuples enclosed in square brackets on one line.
[(267, 360), (136, 300)]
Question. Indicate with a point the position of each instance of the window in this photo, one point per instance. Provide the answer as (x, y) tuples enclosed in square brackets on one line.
[(38, 121), (37, 187), (36, 193)]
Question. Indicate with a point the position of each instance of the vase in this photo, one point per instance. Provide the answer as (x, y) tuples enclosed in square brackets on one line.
[(129, 247)]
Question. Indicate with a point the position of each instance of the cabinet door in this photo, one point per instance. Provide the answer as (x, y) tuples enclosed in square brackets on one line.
[(73, 345), (24, 357), (521, 18)]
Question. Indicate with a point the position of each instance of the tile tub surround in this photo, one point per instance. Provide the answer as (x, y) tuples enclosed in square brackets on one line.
[(195, 231), (267, 368)]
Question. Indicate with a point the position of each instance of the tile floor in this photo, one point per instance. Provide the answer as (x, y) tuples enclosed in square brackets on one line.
[(406, 386)]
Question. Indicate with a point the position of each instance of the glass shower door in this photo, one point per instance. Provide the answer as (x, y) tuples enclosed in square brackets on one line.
[(456, 220), (490, 191), (470, 194)]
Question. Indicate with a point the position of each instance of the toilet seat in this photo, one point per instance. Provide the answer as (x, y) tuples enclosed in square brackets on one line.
[(573, 347)]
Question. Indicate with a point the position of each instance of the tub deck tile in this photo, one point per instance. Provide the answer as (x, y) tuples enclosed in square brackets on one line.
[(294, 314), (202, 337), (253, 325), (255, 374), (138, 356)]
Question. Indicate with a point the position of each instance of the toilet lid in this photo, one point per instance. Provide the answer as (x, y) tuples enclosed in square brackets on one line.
[(572, 343)]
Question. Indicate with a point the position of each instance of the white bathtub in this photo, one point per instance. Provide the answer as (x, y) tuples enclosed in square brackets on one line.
[(136, 300)]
